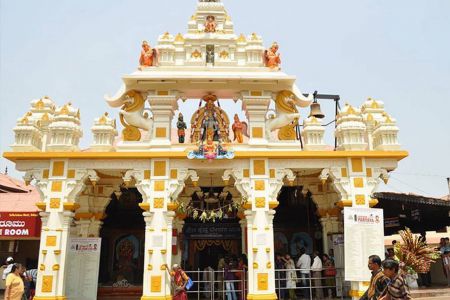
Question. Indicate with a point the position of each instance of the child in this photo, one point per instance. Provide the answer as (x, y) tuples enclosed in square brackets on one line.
[(397, 288)]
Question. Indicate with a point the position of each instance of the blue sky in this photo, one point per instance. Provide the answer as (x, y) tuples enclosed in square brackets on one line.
[(395, 51)]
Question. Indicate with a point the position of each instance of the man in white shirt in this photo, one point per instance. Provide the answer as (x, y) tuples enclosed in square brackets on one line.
[(316, 269), (7, 270), (304, 264)]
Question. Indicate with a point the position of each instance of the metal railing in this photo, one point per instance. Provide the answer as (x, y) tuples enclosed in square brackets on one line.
[(224, 284), (309, 284), (232, 284)]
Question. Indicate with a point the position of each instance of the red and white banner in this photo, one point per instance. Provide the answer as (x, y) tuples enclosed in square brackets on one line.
[(19, 224)]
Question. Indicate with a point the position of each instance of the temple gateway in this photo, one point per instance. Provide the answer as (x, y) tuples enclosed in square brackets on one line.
[(186, 187)]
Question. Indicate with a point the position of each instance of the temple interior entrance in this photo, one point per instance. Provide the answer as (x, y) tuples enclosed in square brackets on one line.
[(296, 224), (208, 242), (121, 258)]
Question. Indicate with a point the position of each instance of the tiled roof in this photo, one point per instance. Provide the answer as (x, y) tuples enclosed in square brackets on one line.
[(8, 183), (15, 196), (412, 198)]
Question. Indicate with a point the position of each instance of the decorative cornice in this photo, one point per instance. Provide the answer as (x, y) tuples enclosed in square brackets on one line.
[(17, 156)]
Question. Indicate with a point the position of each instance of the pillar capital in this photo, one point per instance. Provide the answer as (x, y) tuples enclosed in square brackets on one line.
[(354, 182)]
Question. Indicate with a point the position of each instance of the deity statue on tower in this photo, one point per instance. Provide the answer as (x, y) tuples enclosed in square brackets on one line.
[(239, 129), (271, 57), (181, 125), (209, 149), (210, 117), (210, 24), (149, 55), (210, 126)]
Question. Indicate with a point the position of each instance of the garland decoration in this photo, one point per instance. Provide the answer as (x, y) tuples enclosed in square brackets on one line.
[(210, 215)]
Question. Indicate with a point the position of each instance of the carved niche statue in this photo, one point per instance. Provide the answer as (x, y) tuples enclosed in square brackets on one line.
[(149, 55), (210, 118), (210, 24), (272, 58), (181, 126), (239, 129)]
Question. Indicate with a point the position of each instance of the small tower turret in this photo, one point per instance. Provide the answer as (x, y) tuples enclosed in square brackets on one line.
[(385, 134), (27, 134), (104, 131), (350, 130), (313, 134), (65, 130)]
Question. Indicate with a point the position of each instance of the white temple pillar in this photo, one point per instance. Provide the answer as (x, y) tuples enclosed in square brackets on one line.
[(82, 227), (243, 224), (354, 182), (163, 106), (260, 186), (59, 187), (158, 185), (255, 104)]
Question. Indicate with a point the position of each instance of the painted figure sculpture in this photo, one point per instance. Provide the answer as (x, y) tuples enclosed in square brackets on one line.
[(286, 110), (149, 55), (181, 125), (272, 58), (210, 24), (239, 129)]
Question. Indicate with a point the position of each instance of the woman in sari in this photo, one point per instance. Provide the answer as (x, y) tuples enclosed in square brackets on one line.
[(14, 284), (179, 281)]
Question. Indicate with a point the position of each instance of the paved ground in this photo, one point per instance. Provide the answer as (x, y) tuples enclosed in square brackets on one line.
[(434, 293)]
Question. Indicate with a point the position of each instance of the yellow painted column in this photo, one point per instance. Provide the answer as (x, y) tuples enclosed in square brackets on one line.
[(153, 183), (355, 180), (59, 187), (259, 217)]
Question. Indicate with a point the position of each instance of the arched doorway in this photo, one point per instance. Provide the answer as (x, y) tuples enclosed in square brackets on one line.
[(296, 224), (123, 238)]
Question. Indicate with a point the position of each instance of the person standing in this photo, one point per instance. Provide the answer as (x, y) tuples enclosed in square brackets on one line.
[(445, 254), (241, 275), (220, 275), (179, 280), (329, 273), (396, 288), (304, 264), (14, 284), (7, 270), (378, 281), (316, 270), (229, 279), (291, 276), (280, 277), (31, 276)]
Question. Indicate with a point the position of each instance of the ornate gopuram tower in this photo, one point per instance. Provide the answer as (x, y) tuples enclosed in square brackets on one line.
[(201, 163)]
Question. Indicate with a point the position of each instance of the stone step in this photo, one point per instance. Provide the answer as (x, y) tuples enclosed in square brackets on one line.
[(431, 293)]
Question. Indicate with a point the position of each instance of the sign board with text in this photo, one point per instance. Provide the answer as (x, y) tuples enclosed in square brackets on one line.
[(363, 236), (20, 224), (82, 268)]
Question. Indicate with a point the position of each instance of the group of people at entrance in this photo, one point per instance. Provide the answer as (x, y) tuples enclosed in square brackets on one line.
[(19, 283), (229, 280), (386, 282), (304, 275)]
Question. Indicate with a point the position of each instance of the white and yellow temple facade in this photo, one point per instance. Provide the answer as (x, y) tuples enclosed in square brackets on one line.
[(173, 165)]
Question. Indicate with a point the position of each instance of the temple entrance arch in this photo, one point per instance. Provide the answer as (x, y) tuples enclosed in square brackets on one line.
[(210, 220), (296, 224), (206, 243), (123, 240)]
